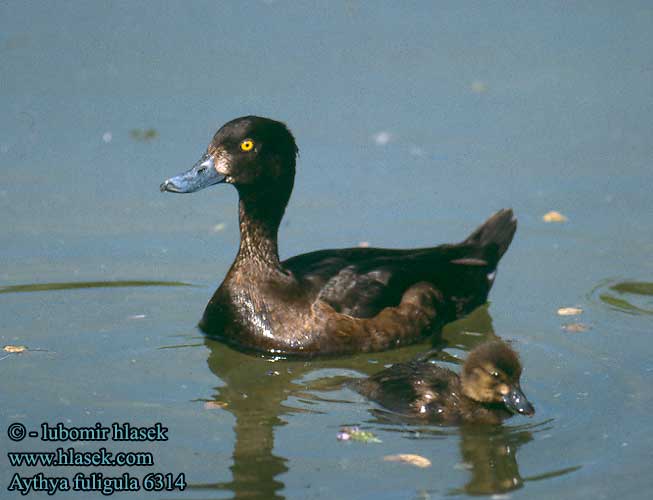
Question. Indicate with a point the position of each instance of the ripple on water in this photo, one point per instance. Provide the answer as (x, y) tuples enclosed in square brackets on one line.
[(631, 297), (76, 285)]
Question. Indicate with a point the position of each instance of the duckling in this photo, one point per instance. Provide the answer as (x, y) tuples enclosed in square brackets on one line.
[(486, 391), (331, 301)]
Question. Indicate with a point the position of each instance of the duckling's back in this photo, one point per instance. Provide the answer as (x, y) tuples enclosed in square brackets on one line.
[(419, 390)]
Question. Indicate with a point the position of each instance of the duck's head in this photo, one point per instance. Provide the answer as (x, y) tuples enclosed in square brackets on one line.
[(250, 152), (491, 375)]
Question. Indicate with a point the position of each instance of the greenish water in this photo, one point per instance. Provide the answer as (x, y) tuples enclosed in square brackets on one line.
[(414, 124)]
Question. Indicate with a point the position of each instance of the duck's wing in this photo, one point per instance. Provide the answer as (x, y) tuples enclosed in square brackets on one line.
[(362, 281), (354, 281)]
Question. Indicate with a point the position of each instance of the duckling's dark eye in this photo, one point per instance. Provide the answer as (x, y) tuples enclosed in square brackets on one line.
[(247, 145), (495, 374)]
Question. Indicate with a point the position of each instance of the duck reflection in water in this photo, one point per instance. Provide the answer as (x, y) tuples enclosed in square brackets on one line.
[(256, 391), (487, 392)]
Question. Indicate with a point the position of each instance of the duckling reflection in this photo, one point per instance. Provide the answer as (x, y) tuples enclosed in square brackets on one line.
[(491, 458), (487, 391), (255, 390)]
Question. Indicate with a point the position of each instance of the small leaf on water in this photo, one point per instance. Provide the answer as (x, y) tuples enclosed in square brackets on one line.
[(554, 216), (570, 311), (575, 327), (143, 135), (14, 348), (478, 87), (416, 460)]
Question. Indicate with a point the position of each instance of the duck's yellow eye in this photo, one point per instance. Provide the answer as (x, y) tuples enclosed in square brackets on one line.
[(247, 145)]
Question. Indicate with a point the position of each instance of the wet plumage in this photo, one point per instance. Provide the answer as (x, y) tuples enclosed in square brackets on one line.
[(487, 391), (330, 301)]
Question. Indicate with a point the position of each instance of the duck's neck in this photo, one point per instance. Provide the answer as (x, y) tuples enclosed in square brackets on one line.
[(260, 216)]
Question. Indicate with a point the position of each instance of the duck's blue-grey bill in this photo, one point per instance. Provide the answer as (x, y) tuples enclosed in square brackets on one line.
[(203, 174), (517, 402)]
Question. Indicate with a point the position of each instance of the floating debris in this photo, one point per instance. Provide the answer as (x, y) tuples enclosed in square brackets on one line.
[(107, 137), (355, 434), (554, 216), (416, 460), (363, 244), (137, 316), (218, 227), (569, 311), (14, 348), (215, 405), (143, 135), (575, 327), (382, 138), (478, 87)]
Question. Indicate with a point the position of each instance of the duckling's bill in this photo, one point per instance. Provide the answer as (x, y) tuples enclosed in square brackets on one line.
[(516, 402), (203, 174)]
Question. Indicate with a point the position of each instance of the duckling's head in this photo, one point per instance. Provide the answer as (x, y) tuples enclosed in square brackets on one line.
[(491, 375), (248, 152)]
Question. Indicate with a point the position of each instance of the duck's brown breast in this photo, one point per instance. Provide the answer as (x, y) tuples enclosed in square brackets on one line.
[(280, 317)]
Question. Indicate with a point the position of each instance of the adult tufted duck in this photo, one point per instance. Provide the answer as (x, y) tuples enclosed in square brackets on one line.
[(487, 391), (330, 301)]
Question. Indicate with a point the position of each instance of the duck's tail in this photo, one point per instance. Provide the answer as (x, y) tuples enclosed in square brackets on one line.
[(475, 261), (493, 237)]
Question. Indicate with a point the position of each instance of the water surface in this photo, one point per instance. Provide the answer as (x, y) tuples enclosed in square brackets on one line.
[(414, 123)]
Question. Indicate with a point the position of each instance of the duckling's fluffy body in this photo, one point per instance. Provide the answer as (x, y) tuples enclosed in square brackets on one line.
[(487, 391), (329, 301)]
